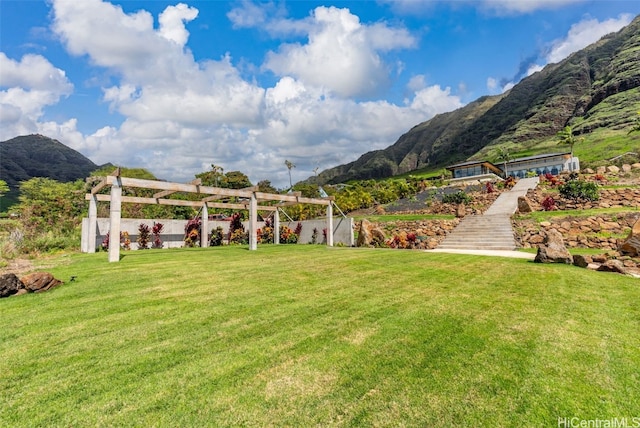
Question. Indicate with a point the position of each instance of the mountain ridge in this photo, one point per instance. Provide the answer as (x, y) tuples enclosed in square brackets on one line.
[(525, 119), (28, 156)]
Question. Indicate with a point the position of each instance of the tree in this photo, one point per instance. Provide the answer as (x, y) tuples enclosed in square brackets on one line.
[(505, 157), (289, 165), (237, 180), (636, 125), (566, 137), (4, 188), (215, 177)]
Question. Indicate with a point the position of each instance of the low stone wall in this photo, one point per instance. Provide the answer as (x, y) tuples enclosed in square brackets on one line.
[(429, 233), (603, 232), (173, 230), (609, 198)]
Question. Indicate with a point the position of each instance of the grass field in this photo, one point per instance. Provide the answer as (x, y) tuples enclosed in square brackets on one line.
[(315, 336)]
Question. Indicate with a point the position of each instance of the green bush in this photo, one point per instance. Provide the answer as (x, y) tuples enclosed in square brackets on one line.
[(459, 197), (579, 190)]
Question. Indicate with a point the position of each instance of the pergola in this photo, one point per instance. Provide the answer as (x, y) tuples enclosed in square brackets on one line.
[(212, 197)]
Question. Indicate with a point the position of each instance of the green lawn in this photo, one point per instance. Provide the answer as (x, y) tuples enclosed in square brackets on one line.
[(314, 336)]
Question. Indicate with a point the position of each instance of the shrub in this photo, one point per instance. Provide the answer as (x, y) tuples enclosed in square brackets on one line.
[(237, 234), (509, 182), (144, 233), (157, 230), (549, 204), (192, 232), (579, 190), (287, 236), (216, 237), (459, 197)]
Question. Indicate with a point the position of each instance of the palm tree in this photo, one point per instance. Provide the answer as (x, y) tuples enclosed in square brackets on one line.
[(566, 137), (636, 125), (289, 165), (505, 157)]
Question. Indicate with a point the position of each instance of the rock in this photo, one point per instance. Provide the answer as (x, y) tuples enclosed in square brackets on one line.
[(580, 261), (369, 235), (461, 210), (613, 266), (626, 168), (589, 171), (631, 244), (545, 224), (524, 205), (39, 281), (599, 258), (601, 170), (10, 285), (553, 250), (612, 169), (635, 165)]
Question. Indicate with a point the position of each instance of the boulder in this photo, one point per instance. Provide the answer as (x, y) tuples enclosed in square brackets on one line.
[(635, 165), (631, 244), (613, 266), (581, 261), (10, 285), (612, 169), (553, 249), (461, 210), (39, 281), (626, 168), (369, 235), (524, 205), (589, 171)]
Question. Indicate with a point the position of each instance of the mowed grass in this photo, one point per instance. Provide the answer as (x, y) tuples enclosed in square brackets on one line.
[(315, 336)]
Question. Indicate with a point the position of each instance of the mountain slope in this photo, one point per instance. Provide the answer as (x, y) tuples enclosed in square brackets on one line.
[(594, 90), (25, 157)]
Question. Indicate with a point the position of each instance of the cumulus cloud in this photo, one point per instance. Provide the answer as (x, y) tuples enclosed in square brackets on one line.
[(584, 33), (27, 86), (342, 54), (181, 115), (172, 22)]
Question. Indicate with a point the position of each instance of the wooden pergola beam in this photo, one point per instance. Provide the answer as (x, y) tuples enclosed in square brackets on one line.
[(197, 182)]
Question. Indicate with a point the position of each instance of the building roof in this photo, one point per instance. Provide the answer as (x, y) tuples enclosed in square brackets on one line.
[(536, 157), (469, 163)]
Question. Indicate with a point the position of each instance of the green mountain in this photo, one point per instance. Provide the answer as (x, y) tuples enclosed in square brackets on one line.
[(25, 157), (596, 91)]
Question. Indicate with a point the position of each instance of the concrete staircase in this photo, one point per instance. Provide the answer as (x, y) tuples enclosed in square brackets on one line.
[(491, 231)]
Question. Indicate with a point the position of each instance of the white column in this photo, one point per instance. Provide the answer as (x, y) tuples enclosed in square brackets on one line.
[(330, 225), (93, 224), (114, 221), (276, 226), (253, 223), (204, 227)]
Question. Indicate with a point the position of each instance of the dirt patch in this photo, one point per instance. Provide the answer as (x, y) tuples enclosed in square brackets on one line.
[(18, 267)]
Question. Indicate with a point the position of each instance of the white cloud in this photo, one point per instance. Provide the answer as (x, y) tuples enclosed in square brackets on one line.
[(492, 84), (27, 87), (172, 22), (342, 55), (181, 116), (584, 33)]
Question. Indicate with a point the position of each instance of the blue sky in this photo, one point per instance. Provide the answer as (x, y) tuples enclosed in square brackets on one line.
[(177, 86)]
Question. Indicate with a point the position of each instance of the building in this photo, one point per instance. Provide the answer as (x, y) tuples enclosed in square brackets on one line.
[(551, 163)]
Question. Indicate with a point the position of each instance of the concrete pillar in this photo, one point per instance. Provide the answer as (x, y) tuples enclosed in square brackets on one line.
[(115, 215), (276, 226), (204, 227), (253, 222), (330, 225), (93, 224)]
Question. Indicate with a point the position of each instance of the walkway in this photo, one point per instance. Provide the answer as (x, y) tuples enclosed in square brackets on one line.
[(490, 233)]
